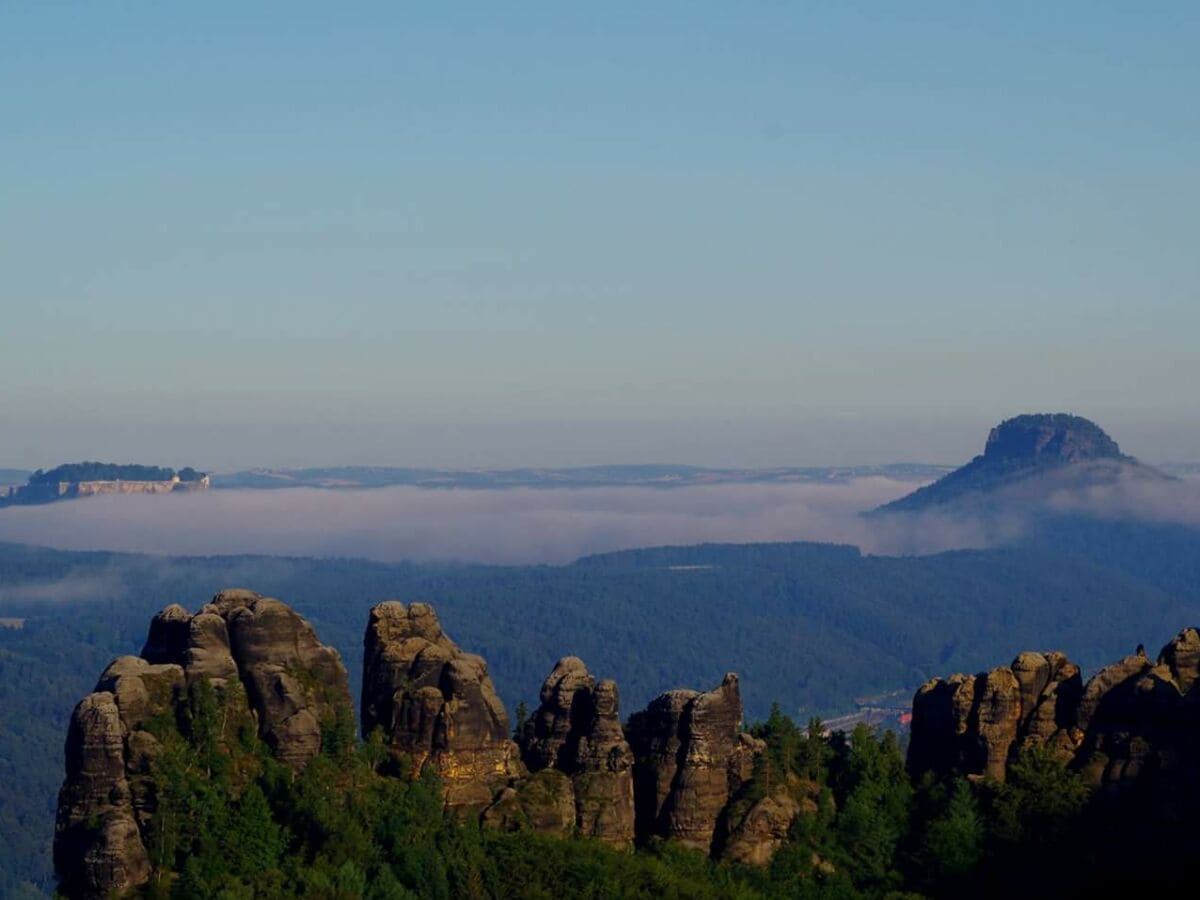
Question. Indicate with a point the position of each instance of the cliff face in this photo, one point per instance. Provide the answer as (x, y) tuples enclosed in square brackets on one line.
[(267, 670), (976, 723), (436, 705), (576, 730), (692, 758), (1134, 725)]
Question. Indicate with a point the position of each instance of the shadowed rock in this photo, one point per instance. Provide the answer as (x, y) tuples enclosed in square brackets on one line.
[(1134, 727), (691, 759), (168, 636), (576, 729), (97, 846)]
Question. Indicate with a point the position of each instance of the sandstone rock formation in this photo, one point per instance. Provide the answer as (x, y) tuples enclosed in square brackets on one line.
[(1141, 725), (436, 705), (976, 723), (273, 676), (757, 832), (576, 729), (691, 759), (682, 772), (1134, 725), (97, 845)]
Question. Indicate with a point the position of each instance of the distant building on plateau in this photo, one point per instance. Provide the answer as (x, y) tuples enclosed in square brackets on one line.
[(44, 487)]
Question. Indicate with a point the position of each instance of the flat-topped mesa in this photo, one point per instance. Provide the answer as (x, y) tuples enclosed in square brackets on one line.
[(267, 671), (436, 705), (691, 759), (576, 730), (1135, 724), (1049, 438), (1026, 459)]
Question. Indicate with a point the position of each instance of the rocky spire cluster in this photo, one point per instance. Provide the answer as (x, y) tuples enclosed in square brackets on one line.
[(1136, 722), (572, 768), (268, 672)]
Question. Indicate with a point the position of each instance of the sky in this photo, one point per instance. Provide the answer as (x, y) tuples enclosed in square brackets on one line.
[(554, 234)]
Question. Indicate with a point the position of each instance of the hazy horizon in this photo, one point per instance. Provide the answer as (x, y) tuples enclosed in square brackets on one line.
[(838, 441)]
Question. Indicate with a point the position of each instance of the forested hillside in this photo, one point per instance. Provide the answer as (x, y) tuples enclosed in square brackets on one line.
[(810, 626)]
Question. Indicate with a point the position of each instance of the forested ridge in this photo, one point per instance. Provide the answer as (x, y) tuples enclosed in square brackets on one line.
[(810, 626)]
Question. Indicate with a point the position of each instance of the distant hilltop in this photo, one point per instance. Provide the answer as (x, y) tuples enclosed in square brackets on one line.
[(87, 479), (1025, 458)]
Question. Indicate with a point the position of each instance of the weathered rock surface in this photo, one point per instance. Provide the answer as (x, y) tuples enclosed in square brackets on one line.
[(274, 676), (761, 829), (1134, 725), (436, 705), (557, 725), (975, 723), (576, 729), (574, 771), (97, 847), (691, 759)]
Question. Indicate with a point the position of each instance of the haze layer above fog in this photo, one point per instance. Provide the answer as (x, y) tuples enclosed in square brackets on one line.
[(543, 526)]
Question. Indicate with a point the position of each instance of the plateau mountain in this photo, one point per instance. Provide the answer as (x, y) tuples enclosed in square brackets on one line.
[(1027, 459)]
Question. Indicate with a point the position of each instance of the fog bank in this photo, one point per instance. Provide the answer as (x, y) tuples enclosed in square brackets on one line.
[(495, 526), (544, 526)]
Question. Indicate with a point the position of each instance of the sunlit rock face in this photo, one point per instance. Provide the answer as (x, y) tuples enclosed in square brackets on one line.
[(975, 724), (1133, 727), (267, 672), (436, 705)]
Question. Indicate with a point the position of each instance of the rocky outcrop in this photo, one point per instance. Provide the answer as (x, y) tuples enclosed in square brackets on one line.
[(98, 847), (1141, 725), (436, 705), (552, 735), (691, 759), (603, 772), (265, 668), (760, 829), (682, 771), (1135, 725), (975, 724), (576, 730)]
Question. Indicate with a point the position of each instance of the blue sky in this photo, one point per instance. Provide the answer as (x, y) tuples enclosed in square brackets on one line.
[(746, 234)]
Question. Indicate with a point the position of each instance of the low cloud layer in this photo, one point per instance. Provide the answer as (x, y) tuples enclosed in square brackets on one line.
[(68, 589), (538, 526), (502, 526), (1150, 501)]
